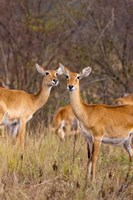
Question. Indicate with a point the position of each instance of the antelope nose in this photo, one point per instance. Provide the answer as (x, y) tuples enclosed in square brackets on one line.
[(70, 87), (54, 80)]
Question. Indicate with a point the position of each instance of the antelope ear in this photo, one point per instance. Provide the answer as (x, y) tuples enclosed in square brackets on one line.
[(40, 69), (59, 71), (85, 72), (126, 94), (118, 101), (63, 69)]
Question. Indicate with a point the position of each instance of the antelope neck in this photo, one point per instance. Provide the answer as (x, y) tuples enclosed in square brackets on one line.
[(76, 103), (42, 96)]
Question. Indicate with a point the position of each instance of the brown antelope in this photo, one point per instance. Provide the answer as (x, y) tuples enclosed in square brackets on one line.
[(99, 123), (125, 100), (22, 105), (65, 122)]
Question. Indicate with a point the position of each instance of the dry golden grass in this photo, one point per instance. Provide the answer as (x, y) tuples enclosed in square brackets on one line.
[(54, 170)]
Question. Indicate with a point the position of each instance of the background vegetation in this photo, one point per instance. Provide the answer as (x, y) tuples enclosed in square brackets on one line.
[(77, 33)]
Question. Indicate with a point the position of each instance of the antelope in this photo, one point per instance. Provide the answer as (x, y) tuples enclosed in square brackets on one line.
[(126, 99), (99, 123), (65, 121), (22, 105)]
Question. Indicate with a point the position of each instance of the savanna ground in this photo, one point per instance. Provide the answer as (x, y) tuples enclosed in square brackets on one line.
[(54, 170)]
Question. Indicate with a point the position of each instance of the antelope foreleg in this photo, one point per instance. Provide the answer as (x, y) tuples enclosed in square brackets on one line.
[(97, 145), (90, 148), (22, 134)]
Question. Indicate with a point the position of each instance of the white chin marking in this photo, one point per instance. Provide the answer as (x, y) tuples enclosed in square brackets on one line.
[(72, 89), (55, 84)]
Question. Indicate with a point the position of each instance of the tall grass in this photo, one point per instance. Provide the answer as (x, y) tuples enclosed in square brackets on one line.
[(51, 169)]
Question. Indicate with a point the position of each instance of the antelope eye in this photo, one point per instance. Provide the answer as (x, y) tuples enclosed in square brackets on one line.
[(67, 76), (78, 77), (47, 73)]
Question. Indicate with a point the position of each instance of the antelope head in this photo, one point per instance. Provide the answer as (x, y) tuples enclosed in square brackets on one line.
[(73, 78), (50, 76)]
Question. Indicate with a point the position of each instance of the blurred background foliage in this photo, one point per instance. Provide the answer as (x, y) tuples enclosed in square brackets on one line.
[(77, 33)]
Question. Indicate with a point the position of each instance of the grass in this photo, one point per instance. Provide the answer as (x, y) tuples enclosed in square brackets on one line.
[(54, 170)]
